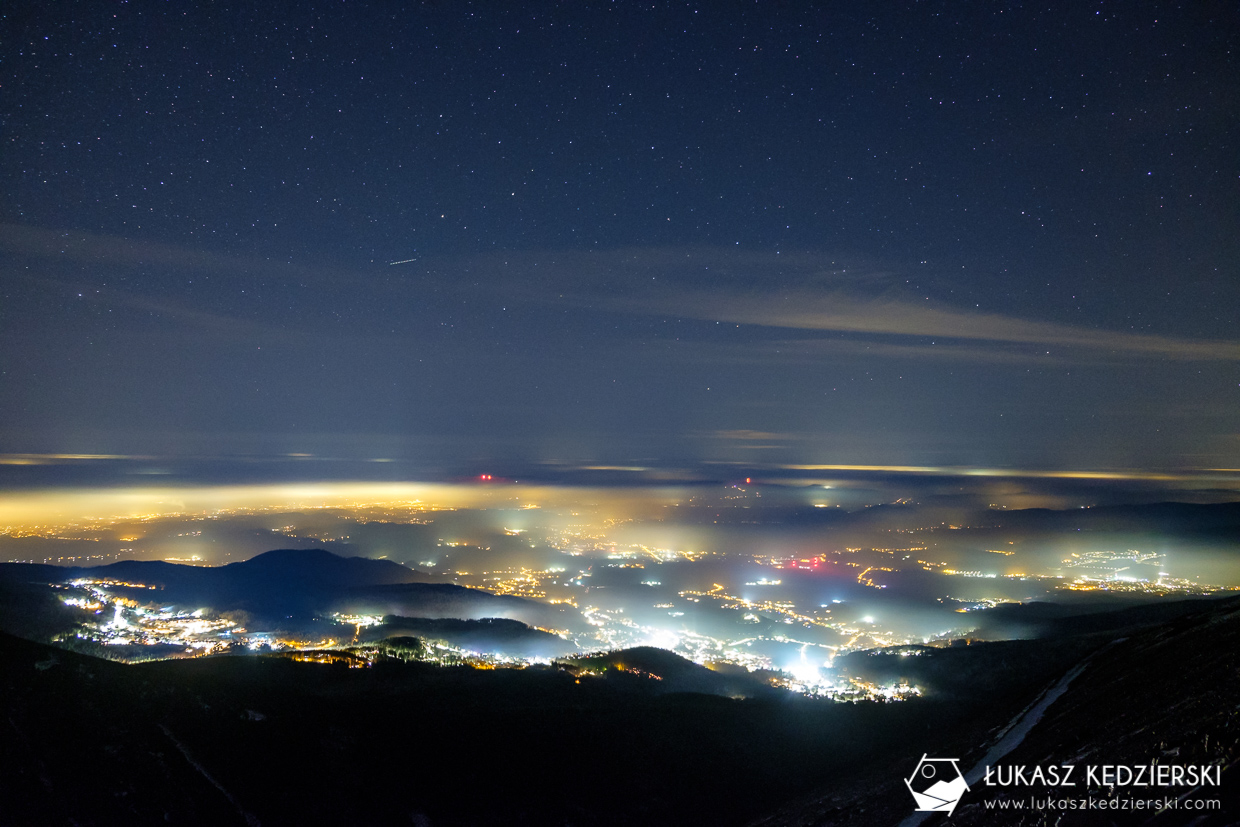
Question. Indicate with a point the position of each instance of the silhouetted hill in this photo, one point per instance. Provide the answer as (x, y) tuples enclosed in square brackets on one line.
[(1055, 619), (301, 568), (32, 610), (214, 740), (446, 600), (31, 573), (1165, 693), (277, 585), (499, 635), (291, 586), (320, 566), (1181, 519), (86, 742), (992, 669), (646, 668)]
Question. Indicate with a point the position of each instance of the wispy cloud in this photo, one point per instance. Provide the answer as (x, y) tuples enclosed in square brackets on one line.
[(94, 260), (751, 436), (809, 291), (804, 292), (842, 312), (117, 251), (847, 345)]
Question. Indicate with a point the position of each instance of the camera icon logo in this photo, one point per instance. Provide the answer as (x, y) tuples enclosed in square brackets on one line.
[(937, 784)]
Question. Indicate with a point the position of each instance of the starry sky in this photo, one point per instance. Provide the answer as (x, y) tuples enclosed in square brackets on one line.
[(511, 235)]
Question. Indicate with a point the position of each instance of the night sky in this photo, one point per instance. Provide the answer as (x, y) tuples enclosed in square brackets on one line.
[(512, 234)]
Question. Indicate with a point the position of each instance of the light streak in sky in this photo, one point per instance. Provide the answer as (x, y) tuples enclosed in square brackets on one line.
[(402, 261)]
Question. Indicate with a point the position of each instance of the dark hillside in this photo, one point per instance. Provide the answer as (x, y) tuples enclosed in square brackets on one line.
[(509, 637), (285, 588), (658, 670), (209, 740), (1166, 693), (1170, 694), (83, 744)]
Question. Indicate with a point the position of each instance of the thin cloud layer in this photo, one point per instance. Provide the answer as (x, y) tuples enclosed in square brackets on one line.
[(99, 250), (841, 312), (806, 291), (795, 292)]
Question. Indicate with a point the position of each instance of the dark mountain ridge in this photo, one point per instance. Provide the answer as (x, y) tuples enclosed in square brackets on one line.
[(1148, 691), (492, 634), (214, 740), (1164, 517), (651, 669), (1040, 619), (244, 739), (297, 585)]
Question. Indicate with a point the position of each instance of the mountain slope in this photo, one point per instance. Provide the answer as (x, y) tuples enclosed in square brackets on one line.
[(1163, 693), (1167, 695), (289, 586), (498, 635), (646, 668), (212, 740)]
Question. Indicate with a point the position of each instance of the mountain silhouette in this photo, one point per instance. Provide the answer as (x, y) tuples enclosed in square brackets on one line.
[(492, 634), (649, 669), (288, 586)]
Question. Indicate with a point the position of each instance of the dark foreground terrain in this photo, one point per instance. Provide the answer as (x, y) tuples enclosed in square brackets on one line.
[(266, 740), (1154, 693), (634, 737)]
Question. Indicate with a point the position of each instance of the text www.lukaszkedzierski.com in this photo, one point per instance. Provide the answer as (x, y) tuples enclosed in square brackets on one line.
[(1089, 803)]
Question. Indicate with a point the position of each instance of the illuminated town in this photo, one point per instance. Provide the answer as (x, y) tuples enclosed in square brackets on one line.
[(634, 574)]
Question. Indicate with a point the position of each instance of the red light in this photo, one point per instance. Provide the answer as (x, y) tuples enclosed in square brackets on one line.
[(747, 480), (484, 476)]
